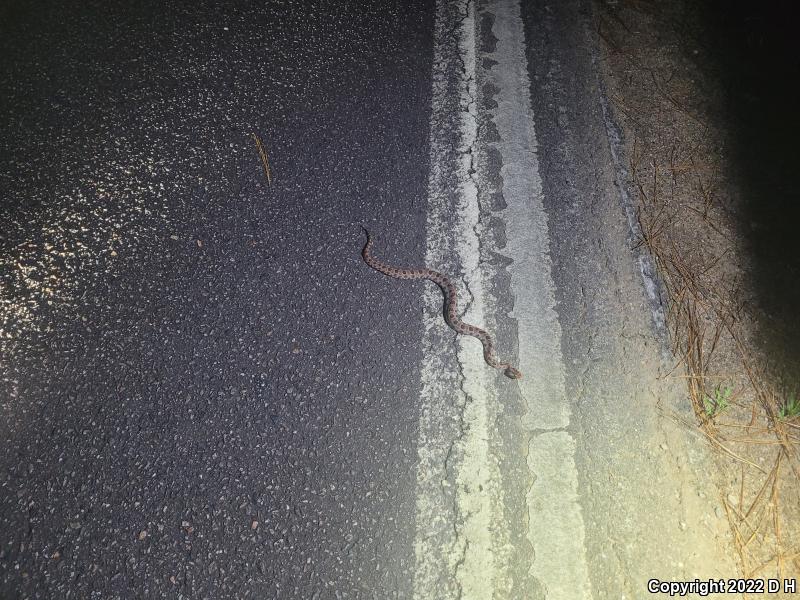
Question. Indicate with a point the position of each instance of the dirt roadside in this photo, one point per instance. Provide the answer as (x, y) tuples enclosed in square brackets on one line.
[(679, 95)]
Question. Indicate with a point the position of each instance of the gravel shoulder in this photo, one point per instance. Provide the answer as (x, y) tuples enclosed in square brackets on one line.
[(701, 95)]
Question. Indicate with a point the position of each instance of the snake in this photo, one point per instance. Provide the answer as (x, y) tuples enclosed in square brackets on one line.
[(450, 303)]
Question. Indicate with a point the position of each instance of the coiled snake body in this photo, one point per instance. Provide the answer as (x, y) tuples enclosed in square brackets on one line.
[(450, 298)]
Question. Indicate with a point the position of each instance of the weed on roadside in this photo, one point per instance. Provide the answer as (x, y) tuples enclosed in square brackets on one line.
[(720, 401), (790, 409)]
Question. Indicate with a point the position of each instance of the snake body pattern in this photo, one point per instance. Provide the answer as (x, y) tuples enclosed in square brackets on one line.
[(451, 304)]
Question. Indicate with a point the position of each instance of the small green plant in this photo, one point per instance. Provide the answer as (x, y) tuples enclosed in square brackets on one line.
[(790, 409), (714, 406)]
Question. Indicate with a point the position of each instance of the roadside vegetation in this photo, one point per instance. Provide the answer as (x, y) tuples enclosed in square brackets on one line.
[(667, 93)]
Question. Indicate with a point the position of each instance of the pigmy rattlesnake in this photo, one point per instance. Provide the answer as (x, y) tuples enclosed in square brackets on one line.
[(450, 298)]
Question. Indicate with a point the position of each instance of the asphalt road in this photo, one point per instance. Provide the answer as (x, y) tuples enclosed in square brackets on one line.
[(196, 400), (206, 393)]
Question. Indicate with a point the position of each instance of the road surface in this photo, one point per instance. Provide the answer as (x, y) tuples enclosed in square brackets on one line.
[(207, 394)]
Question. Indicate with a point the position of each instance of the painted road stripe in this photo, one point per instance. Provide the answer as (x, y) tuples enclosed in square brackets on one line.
[(458, 489), (461, 537), (555, 519)]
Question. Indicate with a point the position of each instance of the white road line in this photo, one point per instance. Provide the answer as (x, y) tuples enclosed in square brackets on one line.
[(458, 490), (461, 535), (556, 529), (479, 498)]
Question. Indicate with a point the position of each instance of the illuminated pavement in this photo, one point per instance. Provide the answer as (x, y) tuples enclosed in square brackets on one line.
[(205, 393)]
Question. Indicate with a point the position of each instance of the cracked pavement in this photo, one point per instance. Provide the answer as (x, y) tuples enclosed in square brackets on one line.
[(205, 393)]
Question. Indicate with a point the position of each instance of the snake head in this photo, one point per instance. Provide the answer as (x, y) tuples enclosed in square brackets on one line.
[(512, 373)]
